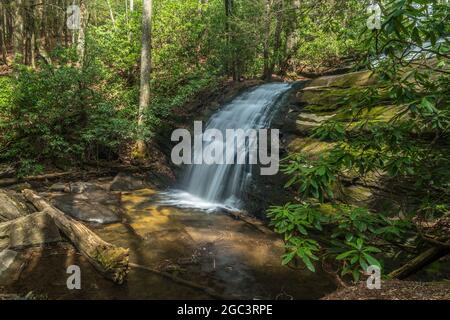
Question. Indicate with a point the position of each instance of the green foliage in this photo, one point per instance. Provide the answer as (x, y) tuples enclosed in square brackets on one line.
[(60, 112), (351, 230), (410, 147)]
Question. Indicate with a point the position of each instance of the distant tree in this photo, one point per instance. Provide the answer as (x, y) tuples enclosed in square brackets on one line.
[(144, 99)]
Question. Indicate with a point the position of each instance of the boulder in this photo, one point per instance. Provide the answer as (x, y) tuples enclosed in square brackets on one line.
[(34, 229), (128, 182), (12, 206)]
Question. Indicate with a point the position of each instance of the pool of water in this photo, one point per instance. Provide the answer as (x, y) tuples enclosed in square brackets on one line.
[(199, 245)]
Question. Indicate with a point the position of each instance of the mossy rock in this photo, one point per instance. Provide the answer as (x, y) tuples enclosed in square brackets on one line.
[(356, 195), (360, 78), (321, 97), (311, 148), (380, 113)]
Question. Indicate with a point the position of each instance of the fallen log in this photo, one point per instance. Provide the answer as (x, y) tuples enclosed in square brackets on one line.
[(419, 262), (109, 260), (71, 175), (103, 170)]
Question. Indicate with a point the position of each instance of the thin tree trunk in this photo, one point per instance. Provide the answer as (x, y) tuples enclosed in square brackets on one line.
[(144, 100), (3, 28), (81, 42), (18, 39), (278, 30), (111, 13), (267, 74)]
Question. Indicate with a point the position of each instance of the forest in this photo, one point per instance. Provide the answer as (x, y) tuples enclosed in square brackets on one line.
[(92, 93)]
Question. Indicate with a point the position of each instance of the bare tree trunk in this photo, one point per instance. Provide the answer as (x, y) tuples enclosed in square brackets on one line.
[(144, 100), (3, 28), (232, 65), (81, 42), (267, 74), (111, 13), (18, 29), (41, 40), (277, 37)]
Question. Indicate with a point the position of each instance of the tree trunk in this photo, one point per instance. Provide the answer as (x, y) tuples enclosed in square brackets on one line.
[(3, 27), (111, 13), (81, 42), (18, 30), (109, 260), (146, 61), (277, 59), (41, 33), (267, 73), (232, 67)]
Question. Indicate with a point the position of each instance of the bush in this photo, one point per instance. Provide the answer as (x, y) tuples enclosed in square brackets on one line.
[(60, 113)]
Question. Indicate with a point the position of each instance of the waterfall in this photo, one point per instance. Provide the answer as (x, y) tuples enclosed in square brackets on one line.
[(211, 186)]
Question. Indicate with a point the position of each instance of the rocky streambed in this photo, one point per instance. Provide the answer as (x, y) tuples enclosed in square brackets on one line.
[(174, 253)]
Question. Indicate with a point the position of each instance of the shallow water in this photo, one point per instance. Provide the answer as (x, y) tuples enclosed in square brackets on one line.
[(210, 249)]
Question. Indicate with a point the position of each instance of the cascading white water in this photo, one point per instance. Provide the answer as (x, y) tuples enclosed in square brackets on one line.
[(210, 186)]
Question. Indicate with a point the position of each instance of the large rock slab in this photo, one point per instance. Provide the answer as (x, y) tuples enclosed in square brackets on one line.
[(35, 229), (12, 206), (94, 207), (360, 78)]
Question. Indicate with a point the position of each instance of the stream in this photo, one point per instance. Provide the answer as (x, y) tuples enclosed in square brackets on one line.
[(181, 231)]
